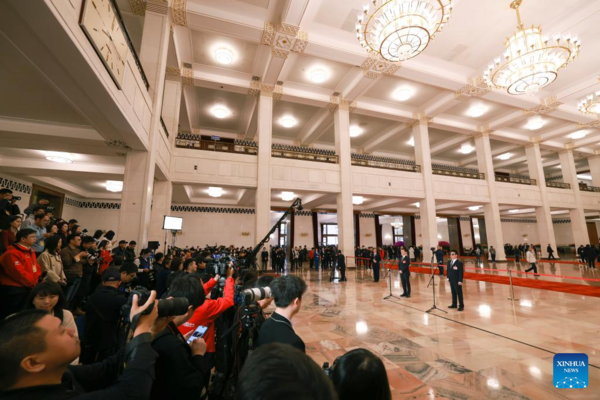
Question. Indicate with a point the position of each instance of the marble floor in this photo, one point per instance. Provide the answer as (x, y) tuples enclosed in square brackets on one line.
[(496, 348)]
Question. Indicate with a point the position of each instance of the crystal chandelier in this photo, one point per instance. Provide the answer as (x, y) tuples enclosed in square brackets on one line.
[(531, 61), (591, 104), (396, 224), (398, 30)]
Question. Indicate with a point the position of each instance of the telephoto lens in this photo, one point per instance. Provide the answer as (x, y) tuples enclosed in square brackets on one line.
[(173, 307), (254, 294)]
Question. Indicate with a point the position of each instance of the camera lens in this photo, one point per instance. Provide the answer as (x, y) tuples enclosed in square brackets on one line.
[(172, 307)]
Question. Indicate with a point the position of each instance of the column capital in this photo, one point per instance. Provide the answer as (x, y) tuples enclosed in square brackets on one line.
[(548, 105), (338, 102), (284, 38), (157, 6), (179, 12), (421, 119), (173, 74), (475, 88), (594, 124), (375, 66), (187, 74), (258, 89), (596, 155)]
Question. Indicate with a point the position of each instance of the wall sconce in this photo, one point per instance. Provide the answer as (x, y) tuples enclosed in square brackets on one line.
[(303, 234), (525, 235), (467, 235), (368, 234), (245, 233)]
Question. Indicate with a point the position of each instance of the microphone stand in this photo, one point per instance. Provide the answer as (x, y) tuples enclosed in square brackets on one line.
[(432, 283), (390, 279)]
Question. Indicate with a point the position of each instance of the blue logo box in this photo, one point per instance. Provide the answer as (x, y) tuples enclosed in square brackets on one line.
[(571, 371)]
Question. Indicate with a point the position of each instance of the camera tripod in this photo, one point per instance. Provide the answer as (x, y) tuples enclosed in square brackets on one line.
[(389, 275), (432, 283)]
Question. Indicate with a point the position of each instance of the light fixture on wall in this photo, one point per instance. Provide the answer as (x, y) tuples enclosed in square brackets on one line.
[(403, 94), (220, 111), (288, 121), (287, 196), (245, 233), (474, 208), (318, 75), (466, 149), (114, 186), (224, 56), (477, 111), (535, 123), (355, 131), (215, 191), (59, 157), (358, 200), (396, 224), (505, 156)]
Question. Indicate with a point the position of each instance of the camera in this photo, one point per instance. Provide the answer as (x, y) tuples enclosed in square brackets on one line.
[(166, 308), (50, 208), (17, 198), (254, 294), (432, 249)]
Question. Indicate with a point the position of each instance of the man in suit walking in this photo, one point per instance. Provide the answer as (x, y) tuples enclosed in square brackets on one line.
[(455, 276), (287, 291), (376, 264), (403, 267)]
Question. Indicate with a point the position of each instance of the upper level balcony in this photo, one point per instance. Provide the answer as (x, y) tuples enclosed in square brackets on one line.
[(518, 179), (398, 164), (225, 145), (459, 172)]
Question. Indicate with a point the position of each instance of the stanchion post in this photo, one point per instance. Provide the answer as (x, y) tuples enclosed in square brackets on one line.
[(512, 290)]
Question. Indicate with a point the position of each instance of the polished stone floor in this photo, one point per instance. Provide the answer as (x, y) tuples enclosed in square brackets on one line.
[(496, 348)]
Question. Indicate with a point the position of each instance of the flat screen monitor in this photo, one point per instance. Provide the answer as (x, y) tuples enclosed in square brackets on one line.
[(172, 223)]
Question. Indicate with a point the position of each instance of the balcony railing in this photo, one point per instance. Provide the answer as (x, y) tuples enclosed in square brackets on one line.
[(459, 172), (519, 179), (303, 153), (191, 141), (586, 188), (398, 164), (558, 185)]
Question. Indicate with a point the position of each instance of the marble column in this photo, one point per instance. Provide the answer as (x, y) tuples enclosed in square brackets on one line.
[(491, 211), (161, 206), (263, 189), (138, 182), (594, 163), (171, 106), (345, 208), (542, 214), (427, 205), (577, 215)]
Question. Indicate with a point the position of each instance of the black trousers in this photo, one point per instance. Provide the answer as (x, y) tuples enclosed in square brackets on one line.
[(533, 267), (441, 268), (457, 292), (376, 272), (551, 256), (592, 263), (405, 278)]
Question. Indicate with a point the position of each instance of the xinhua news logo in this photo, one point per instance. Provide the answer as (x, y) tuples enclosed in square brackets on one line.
[(571, 371)]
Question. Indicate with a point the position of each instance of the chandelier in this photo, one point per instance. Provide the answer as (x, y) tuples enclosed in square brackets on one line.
[(396, 224), (531, 60), (398, 30), (591, 104)]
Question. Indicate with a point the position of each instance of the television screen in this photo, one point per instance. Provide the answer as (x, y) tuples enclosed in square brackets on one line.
[(172, 223)]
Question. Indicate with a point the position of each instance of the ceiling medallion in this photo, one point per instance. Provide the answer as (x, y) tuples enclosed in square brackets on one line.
[(531, 61), (399, 30)]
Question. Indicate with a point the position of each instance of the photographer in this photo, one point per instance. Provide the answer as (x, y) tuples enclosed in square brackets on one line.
[(36, 350), (89, 267), (43, 203), (72, 258), (287, 292), (30, 220), (206, 315), (179, 368)]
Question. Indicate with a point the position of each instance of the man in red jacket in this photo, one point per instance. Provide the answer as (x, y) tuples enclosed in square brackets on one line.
[(19, 273), (206, 315)]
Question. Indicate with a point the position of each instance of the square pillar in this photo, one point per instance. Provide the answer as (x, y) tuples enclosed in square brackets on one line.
[(491, 211), (171, 106), (578, 224), (345, 208), (594, 163), (542, 214), (427, 205), (263, 189), (161, 206)]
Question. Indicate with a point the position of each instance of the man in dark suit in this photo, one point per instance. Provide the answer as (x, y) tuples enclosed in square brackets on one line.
[(287, 291), (376, 264), (341, 264), (405, 273), (264, 256), (550, 251), (439, 256), (455, 276)]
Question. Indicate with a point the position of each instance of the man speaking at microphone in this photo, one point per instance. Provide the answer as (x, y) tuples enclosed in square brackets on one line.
[(455, 276), (403, 267)]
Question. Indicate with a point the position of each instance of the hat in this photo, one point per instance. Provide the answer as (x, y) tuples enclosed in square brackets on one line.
[(111, 275)]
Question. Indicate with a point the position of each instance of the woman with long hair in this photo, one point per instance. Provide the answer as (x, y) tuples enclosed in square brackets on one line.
[(8, 237), (105, 256), (50, 260), (63, 232), (360, 374)]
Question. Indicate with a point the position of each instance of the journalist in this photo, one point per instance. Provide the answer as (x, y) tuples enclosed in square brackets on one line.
[(72, 258), (360, 374), (287, 291), (36, 350), (43, 203)]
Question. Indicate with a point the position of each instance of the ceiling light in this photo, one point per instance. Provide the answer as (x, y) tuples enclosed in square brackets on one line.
[(355, 131), (318, 75), (358, 200), (531, 61), (220, 111), (224, 56), (397, 223), (513, 211), (417, 204), (288, 122), (403, 94), (476, 111), (474, 208), (578, 135), (411, 142), (493, 383), (114, 186), (535, 123), (59, 157), (505, 156), (466, 149), (591, 104), (287, 196), (215, 191), (398, 30)]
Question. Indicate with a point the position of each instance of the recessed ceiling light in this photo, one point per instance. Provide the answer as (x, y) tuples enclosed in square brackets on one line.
[(417, 204), (579, 134), (215, 191), (411, 142), (466, 149), (505, 156), (220, 111), (224, 56), (535, 123), (355, 131), (318, 75), (287, 196), (476, 111), (358, 200), (59, 157), (513, 211), (474, 208), (114, 186), (288, 121), (403, 94)]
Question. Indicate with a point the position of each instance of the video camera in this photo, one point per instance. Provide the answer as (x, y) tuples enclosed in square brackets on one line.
[(166, 308), (17, 198)]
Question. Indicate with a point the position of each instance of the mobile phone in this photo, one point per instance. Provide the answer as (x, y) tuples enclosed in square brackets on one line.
[(198, 333)]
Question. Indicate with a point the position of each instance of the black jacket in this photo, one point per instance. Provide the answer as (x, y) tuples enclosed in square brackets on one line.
[(179, 375), (404, 264), (278, 329), (107, 380), (455, 275), (102, 318), (439, 255), (341, 261)]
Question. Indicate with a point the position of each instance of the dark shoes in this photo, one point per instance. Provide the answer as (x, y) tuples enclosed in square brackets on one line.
[(452, 306), (461, 308)]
